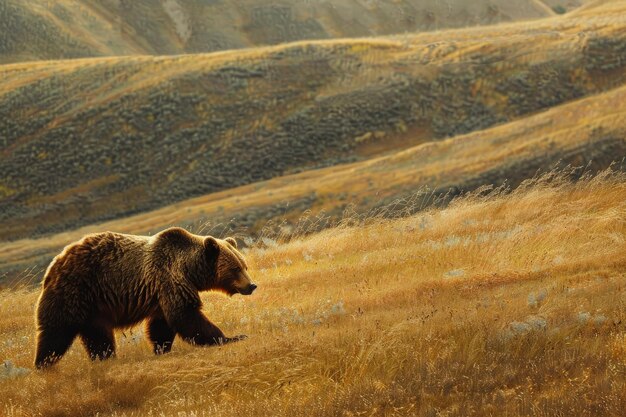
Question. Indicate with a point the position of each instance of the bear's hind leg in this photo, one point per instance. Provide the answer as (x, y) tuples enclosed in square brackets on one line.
[(99, 341), (160, 335), (52, 345)]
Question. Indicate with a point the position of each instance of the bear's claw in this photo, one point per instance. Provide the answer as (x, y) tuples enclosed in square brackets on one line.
[(238, 338)]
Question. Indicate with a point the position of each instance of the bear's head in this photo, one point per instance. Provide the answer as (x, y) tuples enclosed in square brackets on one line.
[(231, 270)]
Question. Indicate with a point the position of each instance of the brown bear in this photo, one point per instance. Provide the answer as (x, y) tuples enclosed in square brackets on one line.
[(111, 280)]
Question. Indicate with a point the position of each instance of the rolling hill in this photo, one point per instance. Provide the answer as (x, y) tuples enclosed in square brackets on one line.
[(40, 29), (90, 140), (589, 133)]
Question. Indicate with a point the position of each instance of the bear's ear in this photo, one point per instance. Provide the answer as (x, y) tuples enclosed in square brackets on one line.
[(211, 247), (232, 241)]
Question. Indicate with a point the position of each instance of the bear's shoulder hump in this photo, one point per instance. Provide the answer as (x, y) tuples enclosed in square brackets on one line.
[(175, 236)]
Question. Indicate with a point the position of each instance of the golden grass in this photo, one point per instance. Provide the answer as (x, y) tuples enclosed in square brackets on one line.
[(500, 305)]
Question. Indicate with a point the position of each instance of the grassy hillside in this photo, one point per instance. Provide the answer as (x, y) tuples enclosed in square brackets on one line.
[(41, 29), (590, 133), (500, 305), (103, 138)]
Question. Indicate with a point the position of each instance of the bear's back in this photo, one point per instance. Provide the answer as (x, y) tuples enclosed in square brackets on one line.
[(97, 254)]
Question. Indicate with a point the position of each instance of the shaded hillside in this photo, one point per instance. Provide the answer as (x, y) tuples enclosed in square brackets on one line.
[(88, 140), (41, 29), (589, 133)]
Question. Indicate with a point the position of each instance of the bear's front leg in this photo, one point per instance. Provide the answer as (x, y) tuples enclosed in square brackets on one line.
[(160, 334), (181, 307), (195, 328)]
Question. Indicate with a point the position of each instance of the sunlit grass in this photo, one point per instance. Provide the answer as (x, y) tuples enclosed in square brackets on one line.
[(500, 305)]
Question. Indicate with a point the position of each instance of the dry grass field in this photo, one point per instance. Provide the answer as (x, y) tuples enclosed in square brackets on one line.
[(500, 304)]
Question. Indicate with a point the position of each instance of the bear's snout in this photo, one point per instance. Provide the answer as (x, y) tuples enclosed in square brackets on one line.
[(249, 289)]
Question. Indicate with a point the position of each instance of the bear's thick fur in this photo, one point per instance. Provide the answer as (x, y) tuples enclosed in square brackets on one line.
[(112, 280)]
